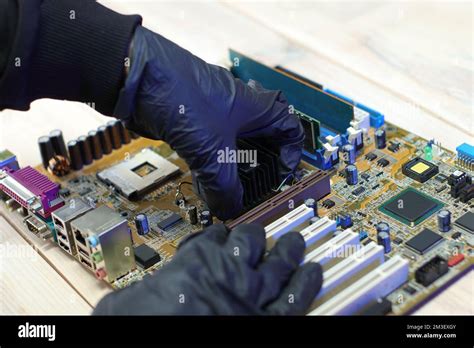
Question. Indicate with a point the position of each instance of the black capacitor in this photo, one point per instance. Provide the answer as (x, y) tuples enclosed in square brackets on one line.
[(105, 141), (85, 147), (383, 239), (311, 203), (57, 140), (206, 218), (380, 139), (191, 215), (75, 155), (114, 132), (94, 143), (124, 134), (141, 223), (444, 220), (46, 150), (351, 174)]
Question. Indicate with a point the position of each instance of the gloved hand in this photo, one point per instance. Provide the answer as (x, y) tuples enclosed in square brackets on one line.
[(198, 109), (216, 273)]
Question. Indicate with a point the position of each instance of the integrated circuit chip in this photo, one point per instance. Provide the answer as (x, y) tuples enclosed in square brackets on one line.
[(466, 222), (410, 207), (383, 162), (424, 241), (169, 221), (420, 170), (328, 203), (146, 256)]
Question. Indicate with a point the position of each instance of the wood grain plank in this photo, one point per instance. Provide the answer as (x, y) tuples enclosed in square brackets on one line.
[(28, 284), (84, 282), (458, 299)]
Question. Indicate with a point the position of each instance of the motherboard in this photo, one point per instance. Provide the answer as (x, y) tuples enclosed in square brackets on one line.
[(388, 214)]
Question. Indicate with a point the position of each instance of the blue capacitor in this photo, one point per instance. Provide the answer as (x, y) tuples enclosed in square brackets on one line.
[(444, 220), (141, 222), (380, 139), (349, 153), (351, 175), (383, 238), (383, 227)]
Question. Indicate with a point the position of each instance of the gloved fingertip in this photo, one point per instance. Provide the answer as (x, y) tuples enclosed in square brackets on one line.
[(290, 247), (311, 275)]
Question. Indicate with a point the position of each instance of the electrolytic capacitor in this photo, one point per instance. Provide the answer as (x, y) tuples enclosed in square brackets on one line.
[(382, 227), (349, 154), (311, 203), (94, 143), (74, 155), (105, 141), (46, 150), (444, 220), (57, 140), (351, 175), (125, 134), (141, 223), (114, 133), (380, 139), (383, 239), (191, 215), (206, 218), (85, 148)]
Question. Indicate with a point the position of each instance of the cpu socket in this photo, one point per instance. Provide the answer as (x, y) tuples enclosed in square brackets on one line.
[(140, 174)]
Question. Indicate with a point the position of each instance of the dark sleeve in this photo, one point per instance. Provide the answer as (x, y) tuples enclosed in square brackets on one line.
[(66, 49), (8, 21)]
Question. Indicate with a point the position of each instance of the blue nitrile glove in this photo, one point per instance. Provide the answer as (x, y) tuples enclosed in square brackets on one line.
[(219, 273), (198, 109)]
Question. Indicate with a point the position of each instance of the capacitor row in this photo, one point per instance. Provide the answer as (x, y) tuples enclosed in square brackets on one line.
[(59, 158)]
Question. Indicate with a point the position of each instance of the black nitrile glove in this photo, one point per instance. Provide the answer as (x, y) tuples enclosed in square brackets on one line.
[(199, 109), (217, 273)]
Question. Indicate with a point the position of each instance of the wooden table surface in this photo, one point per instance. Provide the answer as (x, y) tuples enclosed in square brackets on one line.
[(413, 61)]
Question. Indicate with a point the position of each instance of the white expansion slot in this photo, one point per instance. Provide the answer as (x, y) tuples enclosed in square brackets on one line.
[(289, 221), (350, 266), (318, 230), (378, 283), (335, 247)]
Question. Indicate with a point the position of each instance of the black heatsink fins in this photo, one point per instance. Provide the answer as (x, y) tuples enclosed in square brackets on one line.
[(261, 177)]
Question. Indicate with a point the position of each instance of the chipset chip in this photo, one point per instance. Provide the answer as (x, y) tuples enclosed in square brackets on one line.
[(411, 207), (146, 256), (420, 170), (466, 222), (424, 241)]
